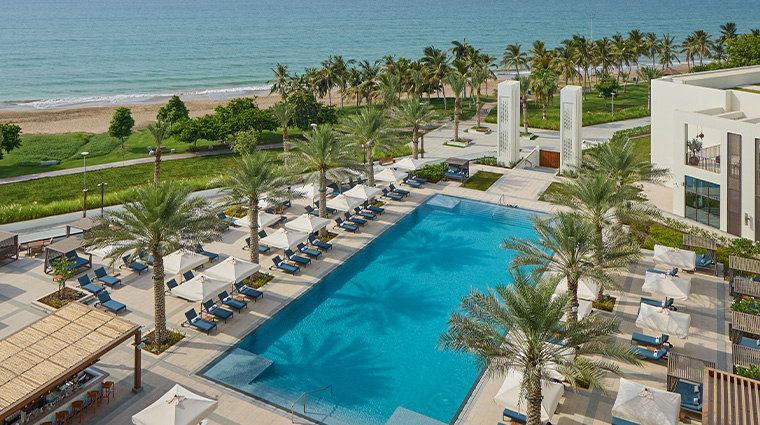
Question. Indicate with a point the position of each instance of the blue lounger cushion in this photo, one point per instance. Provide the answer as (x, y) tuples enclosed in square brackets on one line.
[(104, 278), (418, 179), (319, 244), (217, 311), (393, 196), (658, 303), (651, 340), (355, 220), (368, 207), (188, 275), (515, 416), (394, 189), (691, 395), (87, 285), (412, 183), (108, 303), (195, 321), (364, 214), (309, 251), (243, 289), (282, 265), (656, 354), (618, 421), (296, 258), (704, 260), (227, 300), (346, 226), (134, 265)]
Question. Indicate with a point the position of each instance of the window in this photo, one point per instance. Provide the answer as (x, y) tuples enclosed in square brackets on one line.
[(702, 201)]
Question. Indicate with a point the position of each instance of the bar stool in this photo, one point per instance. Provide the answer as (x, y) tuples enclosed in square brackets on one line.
[(93, 399), (77, 408), (108, 390), (61, 418)]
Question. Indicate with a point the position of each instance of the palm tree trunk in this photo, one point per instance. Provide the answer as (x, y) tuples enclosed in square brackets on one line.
[(478, 105), (329, 96), (415, 142), (525, 112), (157, 171), (322, 200), (533, 410), (286, 143), (370, 164), (457, 104), (572, 306), (159, 300), (543, 109), (636, 83), (445, 104), (253, 226), (649, 96)]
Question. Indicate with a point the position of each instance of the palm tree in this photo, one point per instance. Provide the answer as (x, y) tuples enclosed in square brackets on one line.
[(281, 81), (157, 219), (512, 328), (622, 52), (437, 63), (354, 79), (653, 46), (620, 160), (719, 52), (369, 72), (667, 52), (340, 68), (415, 113), (461, 50), (638, 47), (649, 74), (253, 175), (387, 89), (321, 157), (329, 77), (159, 131), (477, 77), (583, 50), (457, 83), (688, 46), (514, 57), (703, 43), (367, 130), (566, 246), (603, 55), (543, 83), (727, 32), (524, 90), (282, 112), (755, 32)]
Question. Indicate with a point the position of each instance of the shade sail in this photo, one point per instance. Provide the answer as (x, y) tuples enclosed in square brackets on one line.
[(587, 289), (179, 406), (201, 288), (181, 261), (308, 191), (284, 239), (265, 220), (675, 257), (307, 223), (389, 175), (363, 192), (646, 406), (662, 320), (508, 396), (410, 164), (344, 203), (664, 285), (232, 270)]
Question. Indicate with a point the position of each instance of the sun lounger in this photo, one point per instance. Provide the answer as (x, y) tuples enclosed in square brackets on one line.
[(109, 304), (511, 415), (216, 311), (376, 210), (133, 265), (412, 183), (354, 220), (418, 179), (618, 421), (311, 210), (313, 253), (691, 395), (329, 210), (262, 249), (655, 341), (87, 285), (104, 278), (195, 321), (704, 260), (402, 192), (345, 226), (171, 284), (211, 255), (656, 354), (658, 303), (282, 265), (76, 260), (148, 258), (296, 258), (672, 272), (227, 300), (319, 244), (281, 220), (243, 289), (188, 275), (230, 221), (394, 196), (364, 214)]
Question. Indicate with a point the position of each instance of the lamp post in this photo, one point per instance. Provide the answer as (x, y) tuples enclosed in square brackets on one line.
[(84, 191), (313, 127), (592, 27), (613, 104), (102, 187)]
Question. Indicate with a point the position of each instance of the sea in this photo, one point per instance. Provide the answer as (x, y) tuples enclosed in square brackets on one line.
[(63, 53)]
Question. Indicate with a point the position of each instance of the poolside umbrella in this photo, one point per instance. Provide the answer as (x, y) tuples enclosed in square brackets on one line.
[(389, 175), (182, 260), (179, 406), (659, 319), (509, 396), (344, 203), (646, 406), (587, 289), (363, 192), (308, 191), (284, 239), (201, 288), (666, 286), (232, 270), (265, 219), (410, 164), (675, 257), (307, 223), (584, 308)]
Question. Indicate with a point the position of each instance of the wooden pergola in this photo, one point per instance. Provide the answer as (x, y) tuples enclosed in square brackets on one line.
[(744, 325), (8, 246), (709, 245), (40, 357), (85, 225), (729, 399), (59, 249), (681, 367)]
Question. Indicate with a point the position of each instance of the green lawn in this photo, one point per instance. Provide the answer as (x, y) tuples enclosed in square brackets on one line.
[(628, 105), (553, 188), (481, 180), (643, 145)]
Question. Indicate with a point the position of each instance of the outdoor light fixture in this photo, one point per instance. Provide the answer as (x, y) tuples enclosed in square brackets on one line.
[(84, 191)]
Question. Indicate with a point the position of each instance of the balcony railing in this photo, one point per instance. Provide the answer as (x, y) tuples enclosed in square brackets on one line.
[(705, 163)]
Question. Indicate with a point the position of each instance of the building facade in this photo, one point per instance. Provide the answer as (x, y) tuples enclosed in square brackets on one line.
[(706, 130)]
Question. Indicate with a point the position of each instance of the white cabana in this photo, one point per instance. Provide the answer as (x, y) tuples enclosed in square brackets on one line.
[(265, 220), (664, 285), (410, 164), (344, 203), (662, 320), (508, 396), (232, 270), (308, 191), (200, 288), (179, 406), (182, 260), (681, 258), (390, 175), (361, 191), (284, 239), (646, 406), (587, 289), (307, 223)]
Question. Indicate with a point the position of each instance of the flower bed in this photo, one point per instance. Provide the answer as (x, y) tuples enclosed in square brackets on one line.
[(66, 296)]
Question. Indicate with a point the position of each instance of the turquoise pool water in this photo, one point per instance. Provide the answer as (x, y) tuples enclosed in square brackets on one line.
[(370, 329)]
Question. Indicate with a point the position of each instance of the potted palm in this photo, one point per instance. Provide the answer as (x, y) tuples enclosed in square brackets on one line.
[(694, 145)]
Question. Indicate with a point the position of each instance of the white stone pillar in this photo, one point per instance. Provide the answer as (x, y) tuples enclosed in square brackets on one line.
[(571, 144), (508, 146)]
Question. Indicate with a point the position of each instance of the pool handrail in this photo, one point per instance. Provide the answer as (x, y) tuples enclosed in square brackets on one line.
[(303, 396)]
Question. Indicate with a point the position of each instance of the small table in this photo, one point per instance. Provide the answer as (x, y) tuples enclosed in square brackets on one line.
[(207, 317), (35, 246)]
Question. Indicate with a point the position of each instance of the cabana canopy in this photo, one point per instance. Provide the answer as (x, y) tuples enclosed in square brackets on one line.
[(646, 406), (709, 245), (681, 367), (509, 396), (59, 249), (664, 285), (457, 168), (675, 257), (8, 246), (587, 289), (179, 406), (662, 320), (85, 225)]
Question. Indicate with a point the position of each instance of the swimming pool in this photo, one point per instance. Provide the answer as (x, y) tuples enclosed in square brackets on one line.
[(370, 329)]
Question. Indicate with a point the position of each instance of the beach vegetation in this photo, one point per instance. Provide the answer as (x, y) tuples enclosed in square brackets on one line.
[(368, 130), (245, 141), (307, 110), (9, 138), (283, 112), (431, 172), (607, 88), (173, 112), (159, 131), (121, 124), (415, 113), (49, 148), (743, 50), (457, 83)]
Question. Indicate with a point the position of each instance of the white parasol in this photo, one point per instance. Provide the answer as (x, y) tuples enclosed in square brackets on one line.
[(284, 239), (666, 286), (646, 406), (232, 270), (307, 223), (344, 203), (179, 406), (662, 320)]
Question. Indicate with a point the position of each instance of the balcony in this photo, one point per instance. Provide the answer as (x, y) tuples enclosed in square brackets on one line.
[(707, 159)]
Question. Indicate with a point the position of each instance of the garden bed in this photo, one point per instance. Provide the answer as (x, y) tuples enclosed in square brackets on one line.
[(258, 279), (481, 180), (67, 295), (460, 143), (150, 344), (607, 305), (328, 237)]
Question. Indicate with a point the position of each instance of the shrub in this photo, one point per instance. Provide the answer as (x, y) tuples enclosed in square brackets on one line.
[(431, 172), (664, 236), (752, 372), (746, 305)]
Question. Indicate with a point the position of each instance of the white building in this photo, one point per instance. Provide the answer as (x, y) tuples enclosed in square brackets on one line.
[(718, 184)]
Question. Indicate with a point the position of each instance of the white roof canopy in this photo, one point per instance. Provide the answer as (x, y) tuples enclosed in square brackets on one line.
[(307, 223), (284, 239), (587, 289), (390, 175), (665, 285), (363, 192), (675, 257), (181, 261), (179, 406), (410, 164), (232, 270), (344, 203), (265, 219), (200, 288), (508, 396), (646, 406), (659, 319)]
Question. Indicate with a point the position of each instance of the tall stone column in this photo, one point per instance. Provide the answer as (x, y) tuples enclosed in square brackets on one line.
[(508, 147), (571, 124)]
